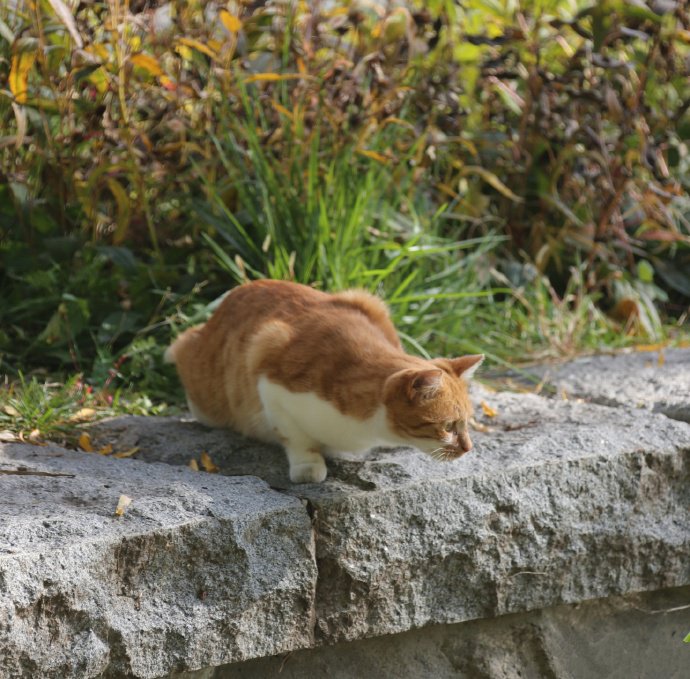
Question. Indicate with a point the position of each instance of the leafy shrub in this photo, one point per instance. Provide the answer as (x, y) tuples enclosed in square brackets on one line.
[(152, 153)]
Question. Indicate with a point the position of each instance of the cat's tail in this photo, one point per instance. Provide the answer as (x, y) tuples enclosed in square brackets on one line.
[(181, 343)]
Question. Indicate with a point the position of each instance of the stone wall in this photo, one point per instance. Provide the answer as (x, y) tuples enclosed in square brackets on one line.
[(562, 502)]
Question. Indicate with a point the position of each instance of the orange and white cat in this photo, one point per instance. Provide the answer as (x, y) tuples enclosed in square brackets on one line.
[(320, 372)]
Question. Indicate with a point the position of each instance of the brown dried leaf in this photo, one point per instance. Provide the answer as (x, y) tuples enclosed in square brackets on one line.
[(82, 414), (230, 21), (127, 453), (85, 442), (479, 426), (488, 410), (147, 62), (207, 463), (122, 505)]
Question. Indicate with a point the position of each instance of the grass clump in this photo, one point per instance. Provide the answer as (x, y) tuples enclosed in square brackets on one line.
[(38, 410)]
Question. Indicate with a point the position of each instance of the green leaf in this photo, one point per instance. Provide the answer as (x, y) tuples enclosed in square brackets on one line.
[(645, 271)]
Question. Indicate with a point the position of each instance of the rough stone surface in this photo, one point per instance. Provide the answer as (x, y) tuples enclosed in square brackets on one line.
[(657, 381), (634, 637), (559, 502), (200, 570)]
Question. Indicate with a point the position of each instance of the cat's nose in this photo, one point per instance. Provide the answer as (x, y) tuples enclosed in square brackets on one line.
[(465, 442)]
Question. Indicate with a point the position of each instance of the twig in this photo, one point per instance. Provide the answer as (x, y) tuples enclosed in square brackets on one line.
[(32, 472), (661, 610)]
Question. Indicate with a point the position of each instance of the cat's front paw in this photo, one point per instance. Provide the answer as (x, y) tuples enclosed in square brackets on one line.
[(309, 472)]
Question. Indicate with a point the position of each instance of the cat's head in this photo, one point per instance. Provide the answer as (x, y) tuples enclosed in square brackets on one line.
[(428, 406)]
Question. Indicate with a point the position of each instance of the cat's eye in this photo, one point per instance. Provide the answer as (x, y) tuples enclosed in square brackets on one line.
[(449, 427)]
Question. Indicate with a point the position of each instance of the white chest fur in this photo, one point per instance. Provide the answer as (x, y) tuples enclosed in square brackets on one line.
[(316, 421)]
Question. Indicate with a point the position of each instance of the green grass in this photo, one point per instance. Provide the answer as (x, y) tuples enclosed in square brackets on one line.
[(59, 411)]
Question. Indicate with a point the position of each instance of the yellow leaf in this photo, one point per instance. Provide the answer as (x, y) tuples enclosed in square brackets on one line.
[(99, 78), (198, 46), (281, 109), (207, 463), (479, 426), (148, 63), (83, 414), (19, 75), (106, 450), (491, 179), (650, 347), (123, 209), (193, 465), (85, 442), (168, 83), (488, 410), (373, 155), (184, 52), (11, 411), (122, 505), (397, 121), (273, 77), (127, 453), (230, 21), (98, 49), (683, 35)]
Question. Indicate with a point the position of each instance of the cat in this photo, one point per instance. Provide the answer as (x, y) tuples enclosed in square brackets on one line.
[(319, 372)]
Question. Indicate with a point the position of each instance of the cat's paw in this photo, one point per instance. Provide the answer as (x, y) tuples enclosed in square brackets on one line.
[(308, 472)]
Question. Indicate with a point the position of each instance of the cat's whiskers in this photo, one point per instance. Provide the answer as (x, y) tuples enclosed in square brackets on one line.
[(440, 454)]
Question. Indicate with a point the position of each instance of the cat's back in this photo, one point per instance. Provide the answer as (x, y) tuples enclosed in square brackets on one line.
[(304, 311), (247, 307)]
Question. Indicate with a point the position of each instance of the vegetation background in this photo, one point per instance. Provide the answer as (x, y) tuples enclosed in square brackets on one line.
[(511, 176)]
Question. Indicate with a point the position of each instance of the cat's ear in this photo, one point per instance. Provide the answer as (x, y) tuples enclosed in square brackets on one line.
[(466, 366), (423, 384)]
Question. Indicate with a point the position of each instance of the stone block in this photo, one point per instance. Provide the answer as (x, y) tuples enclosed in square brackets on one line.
[(200, 570), (559, 502)]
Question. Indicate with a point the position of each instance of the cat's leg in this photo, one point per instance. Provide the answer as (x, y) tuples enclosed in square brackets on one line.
[(306, 463), (303, 451), (304, 454)]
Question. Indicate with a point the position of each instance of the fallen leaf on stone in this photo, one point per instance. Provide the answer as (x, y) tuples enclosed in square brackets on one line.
[(82, 415), (193, 465), (662, 359), (32, 438), (488, 410), (122, 505), (106, 450), (478, 426), (127, 453), (650, 347), (207, 463), (85, 443)]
